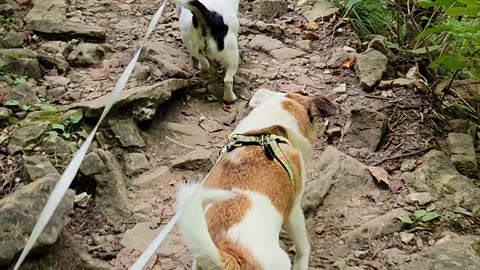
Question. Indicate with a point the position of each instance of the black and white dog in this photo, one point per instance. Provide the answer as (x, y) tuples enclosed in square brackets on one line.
[(209, 30)]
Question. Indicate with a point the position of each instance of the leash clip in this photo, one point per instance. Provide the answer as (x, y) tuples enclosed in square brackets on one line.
[(267, 147)]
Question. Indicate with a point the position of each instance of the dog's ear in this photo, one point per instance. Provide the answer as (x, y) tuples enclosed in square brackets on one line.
[(320, 107), (262, 95)]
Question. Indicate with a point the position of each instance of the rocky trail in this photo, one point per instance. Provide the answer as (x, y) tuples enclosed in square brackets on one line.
[(393, 183)]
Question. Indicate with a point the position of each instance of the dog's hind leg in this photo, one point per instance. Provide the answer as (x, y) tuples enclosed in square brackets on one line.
[(297, 231)]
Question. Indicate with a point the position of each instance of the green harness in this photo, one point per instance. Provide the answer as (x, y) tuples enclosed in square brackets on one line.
[(270, 146)]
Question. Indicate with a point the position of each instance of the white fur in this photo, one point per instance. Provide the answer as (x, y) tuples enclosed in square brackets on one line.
[(206, 49)]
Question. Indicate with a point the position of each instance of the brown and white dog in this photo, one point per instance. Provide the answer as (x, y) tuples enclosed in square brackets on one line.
[(234, 220)]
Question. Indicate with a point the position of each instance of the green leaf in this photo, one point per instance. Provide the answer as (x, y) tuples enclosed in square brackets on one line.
[(420, 213), (20, 80), (26, 107), (46, 107), (433, 30), (66, 135), (73, 147), (351, 3), (424, 49), (58, 127), (53, 133), (406, 220), (449, 62), (462, 11), (82, 134), (11, 103), (76, 117), (430, 216)]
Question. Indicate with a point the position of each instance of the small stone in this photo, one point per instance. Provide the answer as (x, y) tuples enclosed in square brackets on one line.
[(370, 66), (136, 163), (82, 199), (142, 71), (127, 132), (283, 54), (24, 135), (21, 62), (341, 98), (321, 9), (463, 153), (86, 54), (143, 208), (159, 176), (408, 165), (265, 43), (413, 74), (338, 57), (37, 167), (12, 40), (305, 45), (341, 88), (367, 129), (5, 114), (211, 125), (378, 43), (402, 82), (311, 26), (334, 132), (269, 9), (406, 237), (361, 254), (57, 146), (92, 164), (23, 94), (57, 80), (421, 198), (199, 159)]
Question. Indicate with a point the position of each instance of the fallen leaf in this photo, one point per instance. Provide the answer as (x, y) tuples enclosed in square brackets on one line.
[(312, 26), (348, 64), (98, 74), (310, 36), (380, 174)]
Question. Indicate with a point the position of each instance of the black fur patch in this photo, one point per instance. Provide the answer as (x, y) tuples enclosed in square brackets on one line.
[(214, 23)]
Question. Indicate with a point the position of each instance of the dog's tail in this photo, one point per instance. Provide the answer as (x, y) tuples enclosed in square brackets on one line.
[(202, 16), (193, 224)]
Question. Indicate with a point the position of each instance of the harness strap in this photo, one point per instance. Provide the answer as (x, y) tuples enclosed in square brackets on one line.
[(270, 146)]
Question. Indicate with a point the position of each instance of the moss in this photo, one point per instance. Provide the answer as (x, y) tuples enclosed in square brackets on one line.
[(43, 116)]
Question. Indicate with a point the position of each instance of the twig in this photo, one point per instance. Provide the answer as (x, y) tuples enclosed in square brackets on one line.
[(403, 155), (179, 143), (376, 97)]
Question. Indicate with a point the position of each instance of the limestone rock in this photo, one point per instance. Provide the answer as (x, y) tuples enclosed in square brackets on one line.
[(269, 9), (21, 93), (305, 45), (463, 155), (54, 10), (127, 132), (65, 30), (92, 164), (159, 176), (462, 126), (370, 66), (265, 43), (367, 128), (339, 56), (421, 198), (393, 256), (335, 170), (36, 167), (284, 54), (172, 62), (24, 135), (321, 9), (459, 253), (6, 10), (53, 55), (86, 54), (19, 213), (12, 40), (136, 163), (20, 62), (198, 158), (5, 114), (438, 176)]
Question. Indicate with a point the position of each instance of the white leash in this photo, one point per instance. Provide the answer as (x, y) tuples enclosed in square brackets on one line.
[(71, 171)]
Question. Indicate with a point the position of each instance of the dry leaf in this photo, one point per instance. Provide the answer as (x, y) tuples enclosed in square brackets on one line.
[(312, 26), (310, 36), (380, 174), (348, 64), (98, 74)]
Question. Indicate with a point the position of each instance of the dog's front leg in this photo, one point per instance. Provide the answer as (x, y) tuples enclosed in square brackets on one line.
[(297, 230), (231, 67)]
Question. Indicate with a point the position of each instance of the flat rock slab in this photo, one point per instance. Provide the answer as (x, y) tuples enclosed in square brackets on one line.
[(157, 93), (127, 132), (24, 135), (367, 128), (65, 30), (197, 159), (321, 9), (19, 213), (172, 62)]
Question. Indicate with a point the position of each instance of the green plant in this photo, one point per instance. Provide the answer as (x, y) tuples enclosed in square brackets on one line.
[(65, 128), (20, 79), (8, 23), (421, 218)]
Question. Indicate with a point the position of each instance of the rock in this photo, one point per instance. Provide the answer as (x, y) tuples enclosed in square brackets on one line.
[(284, 54), (408, 165), (321, 9), (305, 45), (12, 40), (143, 208), (378, 43), (462, 126), (382, 225), (57, 80), (5, 114), (211, 125), (197, 159), (92, 164), (334, 132), (94, 263), (24, 135), (332, 167), (265, 43), (111, 194), (367, 128), (22, 62), (19, 213), (421, 198), (82, 199), (56, 47), (51, 61), (338, 57), (54, 10), (159, 176), (6, 10), (459, 253), (157, 93), (341, 88), (142, 71), (402, 82), (438, 176), (140, 236), (65, 30), (393, 256), (57, 146), (463, 155), (269, 9), (144, 112), (86, 54), (170, 61), (127, 132), (136, 163), (36, 167), (370, 66), (406, 237), (22, 93)]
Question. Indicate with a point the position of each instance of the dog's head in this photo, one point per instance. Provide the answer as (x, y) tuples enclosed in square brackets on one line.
[(306, 110)]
